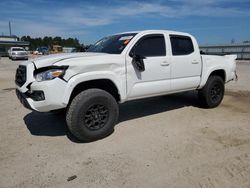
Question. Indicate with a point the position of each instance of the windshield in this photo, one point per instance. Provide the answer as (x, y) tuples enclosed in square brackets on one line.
[(17, 49), (112, 44)]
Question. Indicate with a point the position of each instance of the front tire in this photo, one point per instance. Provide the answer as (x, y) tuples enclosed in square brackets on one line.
[(92, 115), (212, 93)]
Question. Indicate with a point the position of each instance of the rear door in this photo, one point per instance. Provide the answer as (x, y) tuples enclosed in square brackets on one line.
[(185, 63), (156, 77)]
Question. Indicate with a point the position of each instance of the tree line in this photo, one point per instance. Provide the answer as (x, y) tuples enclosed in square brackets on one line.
[(50, 41)]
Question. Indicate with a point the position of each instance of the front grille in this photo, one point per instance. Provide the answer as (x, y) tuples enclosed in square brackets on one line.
[(20, 75), (22, 53)]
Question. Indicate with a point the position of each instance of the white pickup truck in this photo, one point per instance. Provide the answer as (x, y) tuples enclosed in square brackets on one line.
[(18, 53), (120, 68)]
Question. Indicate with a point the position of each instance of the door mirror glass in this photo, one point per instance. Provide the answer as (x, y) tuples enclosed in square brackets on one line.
[(138, 62)]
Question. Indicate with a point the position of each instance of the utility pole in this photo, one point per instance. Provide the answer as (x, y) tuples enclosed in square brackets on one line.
[(10, 28)]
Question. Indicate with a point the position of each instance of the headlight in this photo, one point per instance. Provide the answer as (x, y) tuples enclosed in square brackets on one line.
[(50, 74)]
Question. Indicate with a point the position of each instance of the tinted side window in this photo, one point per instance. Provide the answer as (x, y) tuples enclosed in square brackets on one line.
[(181, 45), (149, 46)]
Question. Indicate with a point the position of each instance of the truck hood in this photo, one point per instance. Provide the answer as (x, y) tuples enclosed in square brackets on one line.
[(52, 59)]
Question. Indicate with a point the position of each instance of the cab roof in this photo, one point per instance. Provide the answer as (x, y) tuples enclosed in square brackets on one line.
[(156, 31)]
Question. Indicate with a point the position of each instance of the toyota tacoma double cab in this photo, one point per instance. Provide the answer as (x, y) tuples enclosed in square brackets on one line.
[(119, 68)]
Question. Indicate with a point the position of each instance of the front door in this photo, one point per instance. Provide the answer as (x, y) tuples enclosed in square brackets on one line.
[(155, 79)]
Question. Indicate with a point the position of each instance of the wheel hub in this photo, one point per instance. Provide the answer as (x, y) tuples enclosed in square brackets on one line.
[(96, 117), (216, 92)]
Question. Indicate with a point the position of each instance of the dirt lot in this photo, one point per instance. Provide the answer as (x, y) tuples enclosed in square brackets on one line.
[(160, 142)]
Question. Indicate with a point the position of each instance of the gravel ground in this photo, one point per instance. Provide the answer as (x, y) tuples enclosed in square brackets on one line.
[(159, 142)]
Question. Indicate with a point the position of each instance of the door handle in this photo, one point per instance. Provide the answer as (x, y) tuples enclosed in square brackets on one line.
[(165, 63), (195, 62)]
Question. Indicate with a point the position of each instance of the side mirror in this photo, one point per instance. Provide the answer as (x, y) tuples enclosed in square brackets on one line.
[(138, 62)]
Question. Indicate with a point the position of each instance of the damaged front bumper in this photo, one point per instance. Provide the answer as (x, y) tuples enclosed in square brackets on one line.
[(42, 96)]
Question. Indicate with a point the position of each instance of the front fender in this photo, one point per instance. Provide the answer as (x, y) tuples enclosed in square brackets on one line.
[(80, 78)]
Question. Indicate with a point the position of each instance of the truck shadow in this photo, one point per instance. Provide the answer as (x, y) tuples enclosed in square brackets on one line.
[(50, 124), (155, 105)]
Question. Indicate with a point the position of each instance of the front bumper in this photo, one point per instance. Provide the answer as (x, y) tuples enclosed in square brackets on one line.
[(23, 99), (52, 91), (17, 56)]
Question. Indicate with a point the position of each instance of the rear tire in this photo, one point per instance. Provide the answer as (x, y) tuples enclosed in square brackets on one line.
[(92, 115), (212, 93)]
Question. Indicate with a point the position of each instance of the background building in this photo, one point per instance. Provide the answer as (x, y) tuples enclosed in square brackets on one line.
[(11, 41), (241, 49)]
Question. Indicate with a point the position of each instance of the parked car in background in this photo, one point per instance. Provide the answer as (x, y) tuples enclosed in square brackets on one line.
[(41, 51), (69, 49), (18, 53)]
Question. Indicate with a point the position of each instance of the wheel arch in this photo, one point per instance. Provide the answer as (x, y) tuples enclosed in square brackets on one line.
[(217, 71), (220, 72), (104, 84)]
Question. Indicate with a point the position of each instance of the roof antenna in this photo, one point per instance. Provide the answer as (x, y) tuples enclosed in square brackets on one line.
[(10, 28)]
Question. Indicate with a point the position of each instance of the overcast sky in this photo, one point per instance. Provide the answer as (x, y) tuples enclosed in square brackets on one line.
[(211, 21)]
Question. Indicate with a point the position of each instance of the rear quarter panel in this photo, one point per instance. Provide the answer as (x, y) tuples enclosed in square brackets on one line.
[(212, 63)]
